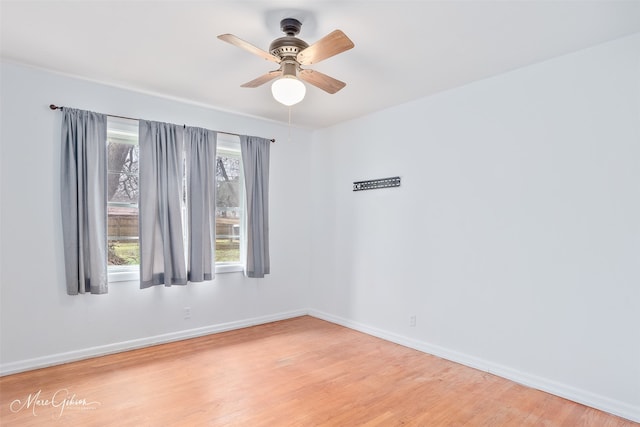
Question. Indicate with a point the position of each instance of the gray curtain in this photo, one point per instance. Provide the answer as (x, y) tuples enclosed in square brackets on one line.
[(84, 200), (162, 259), (255, 162), (201, 202)]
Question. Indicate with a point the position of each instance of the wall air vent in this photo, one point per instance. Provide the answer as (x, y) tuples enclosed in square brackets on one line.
[(373, 184)]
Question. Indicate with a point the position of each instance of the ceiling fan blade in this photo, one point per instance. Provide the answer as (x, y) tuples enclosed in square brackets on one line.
[(324, 82), (332, 44), (230, 38), (263, 79)]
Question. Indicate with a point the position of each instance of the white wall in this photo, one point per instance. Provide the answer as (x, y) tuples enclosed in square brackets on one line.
[(515, 236), (40, 323)]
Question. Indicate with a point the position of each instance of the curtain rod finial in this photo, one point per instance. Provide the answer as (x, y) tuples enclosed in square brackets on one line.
[(54, 107)]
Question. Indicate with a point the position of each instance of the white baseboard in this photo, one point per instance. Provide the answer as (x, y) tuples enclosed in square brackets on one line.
[(593, 400), (103, 350)]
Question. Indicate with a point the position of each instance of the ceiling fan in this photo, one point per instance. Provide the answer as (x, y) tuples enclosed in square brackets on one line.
[(291, 52)]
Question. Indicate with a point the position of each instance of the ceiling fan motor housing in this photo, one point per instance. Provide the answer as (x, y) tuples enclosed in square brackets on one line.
[(288, 47)]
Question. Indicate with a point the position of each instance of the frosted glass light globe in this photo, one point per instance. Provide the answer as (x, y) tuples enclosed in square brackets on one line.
[(288, 90)]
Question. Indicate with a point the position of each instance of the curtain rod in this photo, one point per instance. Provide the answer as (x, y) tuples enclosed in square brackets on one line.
[(55, 107)]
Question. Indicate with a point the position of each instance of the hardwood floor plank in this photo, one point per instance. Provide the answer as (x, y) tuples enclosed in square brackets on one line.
[(297, 372)]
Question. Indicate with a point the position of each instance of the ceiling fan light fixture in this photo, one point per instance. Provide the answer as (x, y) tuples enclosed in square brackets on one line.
[(291, 52), (288, 90)]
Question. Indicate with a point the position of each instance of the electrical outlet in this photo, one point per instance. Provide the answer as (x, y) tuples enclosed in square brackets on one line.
[(412, 320), (187, 313)]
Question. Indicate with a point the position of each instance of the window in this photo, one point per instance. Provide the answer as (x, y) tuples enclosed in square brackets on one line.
[(122, 201), (229, 197), (122, 196)]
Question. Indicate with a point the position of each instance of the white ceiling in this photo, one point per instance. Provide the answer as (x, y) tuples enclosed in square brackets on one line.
[(403, 49)]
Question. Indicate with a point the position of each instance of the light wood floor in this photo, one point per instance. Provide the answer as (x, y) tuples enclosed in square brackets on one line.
[(297, 372)]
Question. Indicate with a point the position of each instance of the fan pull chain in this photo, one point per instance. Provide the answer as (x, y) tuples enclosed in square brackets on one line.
[(289, 123)]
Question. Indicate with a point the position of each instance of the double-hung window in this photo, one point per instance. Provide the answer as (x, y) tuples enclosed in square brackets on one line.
[(122, 202)]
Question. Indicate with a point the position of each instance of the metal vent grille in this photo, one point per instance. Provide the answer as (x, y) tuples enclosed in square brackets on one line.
[(373, 184)]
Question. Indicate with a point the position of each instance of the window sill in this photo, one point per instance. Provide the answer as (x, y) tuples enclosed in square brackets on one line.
[(132, 274), (119, 274), (228, 268)]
